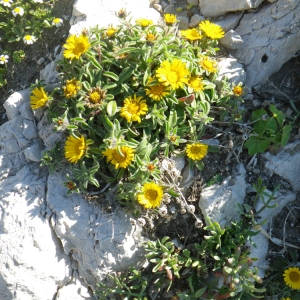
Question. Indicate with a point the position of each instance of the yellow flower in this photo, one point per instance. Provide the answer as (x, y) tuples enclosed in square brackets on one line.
[(292, 277), (191, 34), (144, 22), (121, 157), (39, 98), (150, 37), (211, 30), (110, 32), (208, 64), (170, 19), (95, 96), (196, 83), (133, 108), (74, 148), (237, 90), (173, 74), (286, 298), (156, 91), (196, 151), (71, 88), (76, 46), (151, 195)]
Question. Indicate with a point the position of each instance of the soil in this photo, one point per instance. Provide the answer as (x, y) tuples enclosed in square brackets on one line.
[(281, 89)]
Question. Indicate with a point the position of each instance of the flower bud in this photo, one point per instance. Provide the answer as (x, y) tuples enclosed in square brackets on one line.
[(198, 223)]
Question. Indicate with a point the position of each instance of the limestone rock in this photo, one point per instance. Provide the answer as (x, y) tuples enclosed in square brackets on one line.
[(286, 164), (271, 37), (232, 69), (217, 201), (229, 22), (99, 242), (217, 8), (195, 20), (231, 40)]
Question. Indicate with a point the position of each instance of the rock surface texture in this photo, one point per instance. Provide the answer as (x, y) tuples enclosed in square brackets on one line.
[(261, 35)]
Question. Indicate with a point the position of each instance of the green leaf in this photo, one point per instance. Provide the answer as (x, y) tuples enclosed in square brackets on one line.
[(111, 75), (256, 145), (277, 114), (257, 114), (285, 135), (111, 108), (125, 74), (199, 293), (109, 86), (125, 50), (261, 126)]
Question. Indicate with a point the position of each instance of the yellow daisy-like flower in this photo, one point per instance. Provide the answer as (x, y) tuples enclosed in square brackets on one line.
[(111, 31), (156, 91), (120, 157), (151, 195), (292, 278), (133, 108), (39, 98), (196, 83), (144, 22), (74, 148), (170, 19), (237, 90), (173, 74), (208, 65), (191, 34), (286, 298), (211, 30), (71, 88), (196, 151), (150, 37), (76, 46), (95, 96)]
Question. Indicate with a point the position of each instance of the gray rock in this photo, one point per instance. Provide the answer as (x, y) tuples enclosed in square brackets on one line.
[(271, 37), (229, 22), (195, 20), (14, 102), (217, 201), (232, 69), (232, 40), (34, 152), (183, 22), (286, 164), (29, 130), (217, 8), (99, 242)]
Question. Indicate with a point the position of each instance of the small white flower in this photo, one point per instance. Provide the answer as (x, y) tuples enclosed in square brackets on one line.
[(6, 2), (163, 211), (29, 39), (3, 59), (57, 22), (18, 11), (38, 1), (141, 222)]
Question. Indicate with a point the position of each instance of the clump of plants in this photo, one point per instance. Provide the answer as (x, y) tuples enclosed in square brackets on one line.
[(131, 95), (220, 267), (24, 21)]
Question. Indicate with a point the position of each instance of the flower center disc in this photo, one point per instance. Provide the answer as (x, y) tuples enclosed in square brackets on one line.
[(119, 158), (70, 88), (294, 276), (151, 194), (95, 97), (195, 150), (172, 77), (133, 108), (79, 48)]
